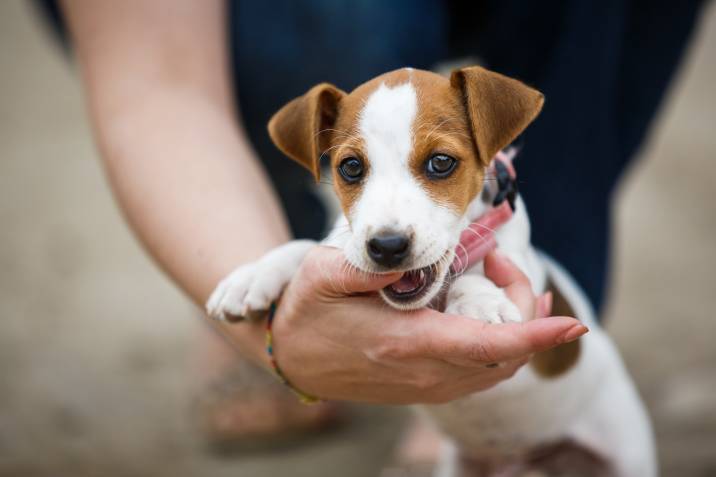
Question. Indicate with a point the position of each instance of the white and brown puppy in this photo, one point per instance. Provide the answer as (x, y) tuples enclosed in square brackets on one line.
[(409, 150)]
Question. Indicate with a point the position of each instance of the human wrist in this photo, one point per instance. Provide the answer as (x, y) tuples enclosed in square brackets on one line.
[(304, 397), (247, 339)]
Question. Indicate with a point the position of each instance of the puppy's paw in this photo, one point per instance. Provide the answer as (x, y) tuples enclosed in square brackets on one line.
[(251, 288), (488, 307), (477, 297), (228, 301)]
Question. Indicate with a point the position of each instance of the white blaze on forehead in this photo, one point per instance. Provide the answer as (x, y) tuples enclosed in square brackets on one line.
[(386, 124), (391, 197)]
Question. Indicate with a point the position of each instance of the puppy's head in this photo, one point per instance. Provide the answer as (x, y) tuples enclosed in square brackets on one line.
[(408, 151)]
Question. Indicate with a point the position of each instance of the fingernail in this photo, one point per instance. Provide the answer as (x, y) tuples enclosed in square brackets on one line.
[(573, 333)]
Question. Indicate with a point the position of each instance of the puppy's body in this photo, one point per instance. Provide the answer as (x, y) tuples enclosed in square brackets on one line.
[(410, 150), (594, 404)]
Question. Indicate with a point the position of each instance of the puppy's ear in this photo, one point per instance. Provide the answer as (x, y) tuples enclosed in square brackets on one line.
[(299, 128), (499, 108)]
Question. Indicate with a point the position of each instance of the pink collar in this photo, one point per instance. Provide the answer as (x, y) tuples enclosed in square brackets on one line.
[(478, 239)]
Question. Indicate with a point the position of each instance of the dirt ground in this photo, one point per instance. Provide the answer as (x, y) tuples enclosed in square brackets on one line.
[(95, 343)]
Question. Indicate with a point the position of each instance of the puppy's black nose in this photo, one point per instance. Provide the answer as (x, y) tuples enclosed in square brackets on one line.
[(388, 250)]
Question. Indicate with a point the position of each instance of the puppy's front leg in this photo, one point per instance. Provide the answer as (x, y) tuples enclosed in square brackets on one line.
[(252, 287), (477, 297)]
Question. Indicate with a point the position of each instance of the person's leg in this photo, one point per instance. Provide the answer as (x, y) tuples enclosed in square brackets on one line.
[(604, 67)]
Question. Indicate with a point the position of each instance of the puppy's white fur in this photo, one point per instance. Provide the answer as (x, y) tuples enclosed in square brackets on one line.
[(254, 286), (594, 403), (391, 198)]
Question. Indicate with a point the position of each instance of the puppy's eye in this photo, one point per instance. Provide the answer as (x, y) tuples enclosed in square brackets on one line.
[(440, 166), (351, 169)]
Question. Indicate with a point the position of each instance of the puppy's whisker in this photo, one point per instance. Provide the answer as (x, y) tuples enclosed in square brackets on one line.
[(484, 227), (342, 134), (476, 233), (427, 136), (436, 136), (463, 265), (326, 151)]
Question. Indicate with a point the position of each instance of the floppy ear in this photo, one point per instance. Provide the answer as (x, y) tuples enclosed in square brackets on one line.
[(499, 108), (298, 129)]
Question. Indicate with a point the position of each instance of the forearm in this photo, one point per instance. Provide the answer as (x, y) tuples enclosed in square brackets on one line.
[(159, 95), (185, 176), (199, 209), (190, 187)]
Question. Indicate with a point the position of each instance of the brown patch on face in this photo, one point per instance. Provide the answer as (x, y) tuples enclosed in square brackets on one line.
[(346, 140), (558, 360), (441, 126), (348, 193)]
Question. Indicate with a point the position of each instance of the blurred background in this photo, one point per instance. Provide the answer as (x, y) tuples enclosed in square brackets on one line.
[(95, 344)]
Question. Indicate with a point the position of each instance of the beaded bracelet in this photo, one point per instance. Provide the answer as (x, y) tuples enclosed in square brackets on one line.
[(303, 397)]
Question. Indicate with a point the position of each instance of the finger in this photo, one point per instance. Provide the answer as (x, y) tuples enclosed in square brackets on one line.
[(480, 343), (502, 271), (515, 283), (544, 305), (329, 266)]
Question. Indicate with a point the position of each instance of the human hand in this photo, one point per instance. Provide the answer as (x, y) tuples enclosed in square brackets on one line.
[(334, 338)]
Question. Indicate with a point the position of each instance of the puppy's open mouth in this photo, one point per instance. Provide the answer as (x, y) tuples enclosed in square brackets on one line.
[(412, 285)]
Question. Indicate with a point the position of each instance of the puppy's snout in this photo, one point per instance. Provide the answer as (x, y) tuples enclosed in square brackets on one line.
[(388, 249)]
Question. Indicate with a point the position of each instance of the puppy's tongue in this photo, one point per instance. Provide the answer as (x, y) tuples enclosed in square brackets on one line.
[(409, 281)]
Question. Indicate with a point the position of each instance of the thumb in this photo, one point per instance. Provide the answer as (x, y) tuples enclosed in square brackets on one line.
[(336, 275), (506, 275), (503, 272)]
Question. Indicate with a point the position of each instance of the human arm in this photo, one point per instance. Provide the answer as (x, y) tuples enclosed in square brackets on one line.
[(182, 170)]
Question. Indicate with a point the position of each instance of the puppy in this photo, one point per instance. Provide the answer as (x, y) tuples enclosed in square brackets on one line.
[(409, 152)]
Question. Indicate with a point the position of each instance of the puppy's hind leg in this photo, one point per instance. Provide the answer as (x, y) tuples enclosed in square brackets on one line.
[(615, 423), (448, 464)]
